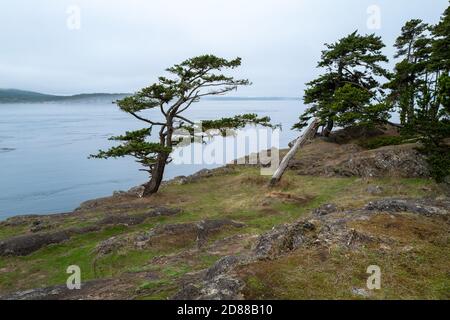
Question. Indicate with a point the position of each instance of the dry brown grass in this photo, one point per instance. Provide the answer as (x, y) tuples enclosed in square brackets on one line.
[(404, 228), (414, 264)]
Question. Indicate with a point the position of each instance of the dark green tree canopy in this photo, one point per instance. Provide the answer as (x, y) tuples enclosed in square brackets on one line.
[(352, 69), (412, 33), (408, 84), (441, 43), (191, 80), (420, 89), (224, 126), (134, 144)]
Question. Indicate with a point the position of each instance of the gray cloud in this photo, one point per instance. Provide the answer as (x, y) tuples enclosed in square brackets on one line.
[(125, 44)]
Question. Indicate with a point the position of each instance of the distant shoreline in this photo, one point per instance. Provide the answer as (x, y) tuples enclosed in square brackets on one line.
[(21, 96)]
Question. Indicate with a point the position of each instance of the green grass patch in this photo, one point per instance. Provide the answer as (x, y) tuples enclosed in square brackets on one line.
[(242, 196)]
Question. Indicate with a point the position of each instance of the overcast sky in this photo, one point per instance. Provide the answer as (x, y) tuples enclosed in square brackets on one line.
[(123, 45)]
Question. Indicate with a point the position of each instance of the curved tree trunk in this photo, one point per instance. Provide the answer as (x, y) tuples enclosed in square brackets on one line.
[(153, 185), (327, 130)]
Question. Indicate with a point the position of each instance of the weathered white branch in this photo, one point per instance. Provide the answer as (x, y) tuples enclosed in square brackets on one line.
[(301, 141)]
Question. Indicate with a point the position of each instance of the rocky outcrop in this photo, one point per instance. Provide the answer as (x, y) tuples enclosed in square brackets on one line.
[(130, 220), (325, 209), (331, 226), (199, 232), (423, 207), (91, 290), (199, 175), (26, 244), (326, 227), (181, 234), (393, 161), (29, 243), (330, 159), (357, 132), (216, 283), (204, 173), (109, 245)]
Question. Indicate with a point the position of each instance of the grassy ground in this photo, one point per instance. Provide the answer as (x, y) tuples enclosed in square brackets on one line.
[(415, 266), (241, 195)]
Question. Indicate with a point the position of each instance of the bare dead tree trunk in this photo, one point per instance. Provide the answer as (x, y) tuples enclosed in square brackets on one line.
[(301, 141)]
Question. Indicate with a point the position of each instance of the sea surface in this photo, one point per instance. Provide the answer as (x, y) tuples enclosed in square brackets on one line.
[(44, 149)]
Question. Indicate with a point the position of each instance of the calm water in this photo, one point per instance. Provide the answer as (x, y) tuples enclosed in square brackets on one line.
[(44, 149)]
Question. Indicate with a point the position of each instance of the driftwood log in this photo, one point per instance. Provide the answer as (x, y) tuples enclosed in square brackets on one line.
[(301, 141)]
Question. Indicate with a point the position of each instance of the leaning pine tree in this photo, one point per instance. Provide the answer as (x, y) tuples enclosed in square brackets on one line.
[(348, 92), (172, 96)]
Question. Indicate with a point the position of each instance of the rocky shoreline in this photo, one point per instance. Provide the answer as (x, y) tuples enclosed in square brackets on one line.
[(384, 204)]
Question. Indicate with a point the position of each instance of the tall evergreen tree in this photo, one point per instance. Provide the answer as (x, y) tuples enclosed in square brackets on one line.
[(441, 44), (349, 91), (434, 125), (410, 80), (420, 89)]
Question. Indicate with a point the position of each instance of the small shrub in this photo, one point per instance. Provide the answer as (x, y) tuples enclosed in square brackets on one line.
[(438, 159), (378, 142)]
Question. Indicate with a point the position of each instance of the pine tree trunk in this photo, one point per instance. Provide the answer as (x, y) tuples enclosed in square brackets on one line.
[(153, 185), (327, 130)]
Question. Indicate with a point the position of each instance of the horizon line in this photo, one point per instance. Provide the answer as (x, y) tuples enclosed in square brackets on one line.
[(218, 97)]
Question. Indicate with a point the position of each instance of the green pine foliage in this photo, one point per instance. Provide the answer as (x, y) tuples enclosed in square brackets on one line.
[(349, 92), (420, 89), (172, 95)]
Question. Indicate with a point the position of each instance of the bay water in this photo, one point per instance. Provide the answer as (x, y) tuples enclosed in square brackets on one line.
[(44, 149)]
